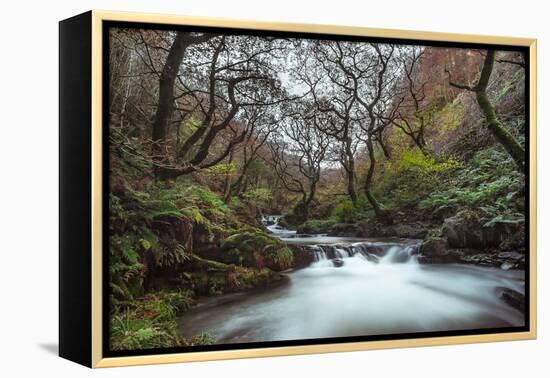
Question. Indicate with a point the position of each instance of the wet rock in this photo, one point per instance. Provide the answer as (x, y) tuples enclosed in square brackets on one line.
[(410, 231), (512, 260), (338, 263), (463, 231), (512, 298), (466, 230), (434, 250), (303, 255), (344, 230), (485, 259)]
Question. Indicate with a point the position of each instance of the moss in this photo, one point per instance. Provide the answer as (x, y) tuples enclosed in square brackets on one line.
[(240, 278), (256, 249), (316, 226), (150, 322)]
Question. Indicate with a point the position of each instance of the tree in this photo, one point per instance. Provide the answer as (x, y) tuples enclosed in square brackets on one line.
[(360, 100), (167, 80), (499, 132), (375, 91), (222, 76), (297, 156), (262, 123), (414, 115), (335, 103)]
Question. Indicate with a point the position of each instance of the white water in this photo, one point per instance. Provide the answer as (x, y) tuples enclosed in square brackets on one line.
[(379, 289)]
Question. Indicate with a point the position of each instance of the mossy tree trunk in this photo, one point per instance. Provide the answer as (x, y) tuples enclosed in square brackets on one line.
[(503, 136), (499, 132)]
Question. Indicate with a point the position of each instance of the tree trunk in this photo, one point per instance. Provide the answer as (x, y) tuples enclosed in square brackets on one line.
[(350, 170), (227, 181), (385, 149), (368, 183), (507, 140), (166, 99)]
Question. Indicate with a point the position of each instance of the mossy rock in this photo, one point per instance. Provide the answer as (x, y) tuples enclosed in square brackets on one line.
[(434, 250), (344, 229), (316, 226), (466, 230), (256, 249), (238, 279)]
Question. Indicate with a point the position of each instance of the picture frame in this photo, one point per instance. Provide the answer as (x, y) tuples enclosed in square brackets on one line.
[(84, 288)]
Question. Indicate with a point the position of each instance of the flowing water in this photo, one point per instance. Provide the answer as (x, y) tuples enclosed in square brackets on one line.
[(358, 287)]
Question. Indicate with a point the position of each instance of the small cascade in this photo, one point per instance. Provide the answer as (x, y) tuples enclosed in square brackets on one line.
[(271, 222), (370, 252)]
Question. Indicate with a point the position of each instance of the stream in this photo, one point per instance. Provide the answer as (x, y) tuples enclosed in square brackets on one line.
[(358, 287)]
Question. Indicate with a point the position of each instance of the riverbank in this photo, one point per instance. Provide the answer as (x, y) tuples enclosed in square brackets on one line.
[(461, 238), (380, 279), (372, 292)]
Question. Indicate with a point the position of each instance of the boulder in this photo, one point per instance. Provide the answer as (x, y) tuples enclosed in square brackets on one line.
[(344, 230), (466, 230), (512, 260), (303, 255), (338, 263), (433, 249), (512, 298)]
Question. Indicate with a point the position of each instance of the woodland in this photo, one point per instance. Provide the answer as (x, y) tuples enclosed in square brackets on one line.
[(210, 133)]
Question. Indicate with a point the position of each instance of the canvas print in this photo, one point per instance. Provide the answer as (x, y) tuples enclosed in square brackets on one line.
[(284, 189)]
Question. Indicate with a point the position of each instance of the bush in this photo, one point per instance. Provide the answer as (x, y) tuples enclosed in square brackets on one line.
[(150, 322), (346, 212), (316, 226), (256, 249), (489, 185), (412, 177)]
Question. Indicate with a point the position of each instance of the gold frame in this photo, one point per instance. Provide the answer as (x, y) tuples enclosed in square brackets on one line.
[(99, 16)]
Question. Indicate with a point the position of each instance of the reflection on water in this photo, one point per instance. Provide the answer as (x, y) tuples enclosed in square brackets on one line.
[(383, 293)]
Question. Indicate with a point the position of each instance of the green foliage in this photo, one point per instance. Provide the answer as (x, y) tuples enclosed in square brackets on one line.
[(150, 322), (412, 177), (347, 213), (187, 127), (221, 170), (317, 226), (142, 216), (489, 184), (450, 116), (253, 202), (256, 249), (166, 257), (232, 279), (344, 211), (257, 197)]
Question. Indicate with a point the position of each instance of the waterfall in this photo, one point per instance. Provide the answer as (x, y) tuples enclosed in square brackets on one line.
[(327, 255), (271, 222)]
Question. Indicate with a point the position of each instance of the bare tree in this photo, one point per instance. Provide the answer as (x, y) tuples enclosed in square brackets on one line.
[(413, 116), (262, 123), (297, 156), (220, 75), (360, 100), (335, 103)]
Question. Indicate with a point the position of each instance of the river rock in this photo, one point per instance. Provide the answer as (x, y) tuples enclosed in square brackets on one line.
[(338, 263), (433, 249), (465, 230), (512, 298), (304, 255), (485, 259), (344, 230)]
